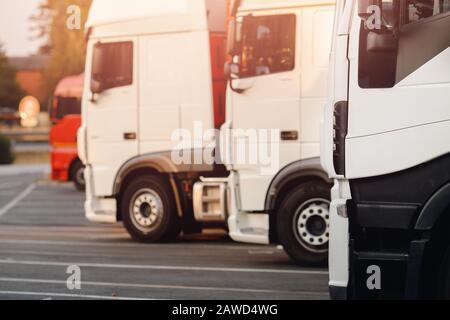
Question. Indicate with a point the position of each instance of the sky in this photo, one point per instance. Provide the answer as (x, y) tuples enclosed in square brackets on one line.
[(15, 27)]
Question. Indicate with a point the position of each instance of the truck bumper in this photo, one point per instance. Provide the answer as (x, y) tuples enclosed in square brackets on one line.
[(249, 228), (100, 210), (339, 241), (243, 226)]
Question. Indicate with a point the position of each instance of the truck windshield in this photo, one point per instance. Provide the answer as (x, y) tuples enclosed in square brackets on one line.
[(268, 45), (67, 106), (388, 55)]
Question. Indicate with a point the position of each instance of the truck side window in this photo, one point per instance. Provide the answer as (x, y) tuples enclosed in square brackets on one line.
[(377, 65), (422, 9), (113, 64), (67, 106), (268, 45)]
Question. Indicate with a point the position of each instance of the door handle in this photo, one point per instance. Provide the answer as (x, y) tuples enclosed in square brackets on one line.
[(130, 136), (289, 135)]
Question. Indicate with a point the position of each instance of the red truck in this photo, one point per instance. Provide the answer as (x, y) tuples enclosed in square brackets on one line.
[(66, 119)]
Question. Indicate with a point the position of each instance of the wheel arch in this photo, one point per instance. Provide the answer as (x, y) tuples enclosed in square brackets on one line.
[(433, 209), (433, 223), (153, 163)]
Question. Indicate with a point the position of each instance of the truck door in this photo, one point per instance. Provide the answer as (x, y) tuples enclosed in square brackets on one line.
[(281, 85), (111, 110), (266, 97), (399, 88), (269, 97)]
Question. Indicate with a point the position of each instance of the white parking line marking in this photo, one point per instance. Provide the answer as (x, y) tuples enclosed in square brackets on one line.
[(67, 295), (82, 254), (151, 286), (125, 245), (17, 199), (157, 267), (259, 251), (54, 253)]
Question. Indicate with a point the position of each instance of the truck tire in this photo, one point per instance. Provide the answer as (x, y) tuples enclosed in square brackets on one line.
[(303, 223), (77, 175), (148, 210)]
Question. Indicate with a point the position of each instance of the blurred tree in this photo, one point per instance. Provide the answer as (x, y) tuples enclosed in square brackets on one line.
[(65, 45), (10, 91)]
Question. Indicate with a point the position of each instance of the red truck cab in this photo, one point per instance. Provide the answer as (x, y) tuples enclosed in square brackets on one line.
[(66, 118)]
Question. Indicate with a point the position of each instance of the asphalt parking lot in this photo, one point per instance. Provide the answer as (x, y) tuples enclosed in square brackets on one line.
[(43, 231)]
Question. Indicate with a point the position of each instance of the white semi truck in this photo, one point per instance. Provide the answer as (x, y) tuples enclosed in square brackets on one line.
[(150, 76), (386, 142)]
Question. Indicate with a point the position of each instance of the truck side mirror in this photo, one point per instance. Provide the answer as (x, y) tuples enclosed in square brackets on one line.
[(233, 45), (231, 37), (96, 86), (97, 67), (231, 69), (381, 42)]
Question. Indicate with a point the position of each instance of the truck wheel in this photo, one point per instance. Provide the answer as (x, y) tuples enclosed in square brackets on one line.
[(148, 210), (77, 175), (303, 223)]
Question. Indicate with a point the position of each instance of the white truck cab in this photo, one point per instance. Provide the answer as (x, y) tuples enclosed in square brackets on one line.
[(152, 68), (155, 67), (386, 144), (278, 84)]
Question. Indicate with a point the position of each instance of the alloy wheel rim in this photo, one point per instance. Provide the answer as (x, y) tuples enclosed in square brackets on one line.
[(312, 225), (146, 209)]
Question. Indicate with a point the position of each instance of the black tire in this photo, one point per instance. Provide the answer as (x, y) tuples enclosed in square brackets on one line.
[(305, 241), (77, 175), (158, 219)]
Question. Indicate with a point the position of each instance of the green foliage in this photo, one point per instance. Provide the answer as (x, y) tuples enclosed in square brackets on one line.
[(10, 91), (67, 48), (6, 156)]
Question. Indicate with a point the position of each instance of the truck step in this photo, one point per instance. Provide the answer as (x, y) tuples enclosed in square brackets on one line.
[(209, 200)]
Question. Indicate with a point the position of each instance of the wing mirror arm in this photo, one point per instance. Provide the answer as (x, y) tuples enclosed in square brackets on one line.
[(93, 100), (239, 91), (231, 71), (96, 88)]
